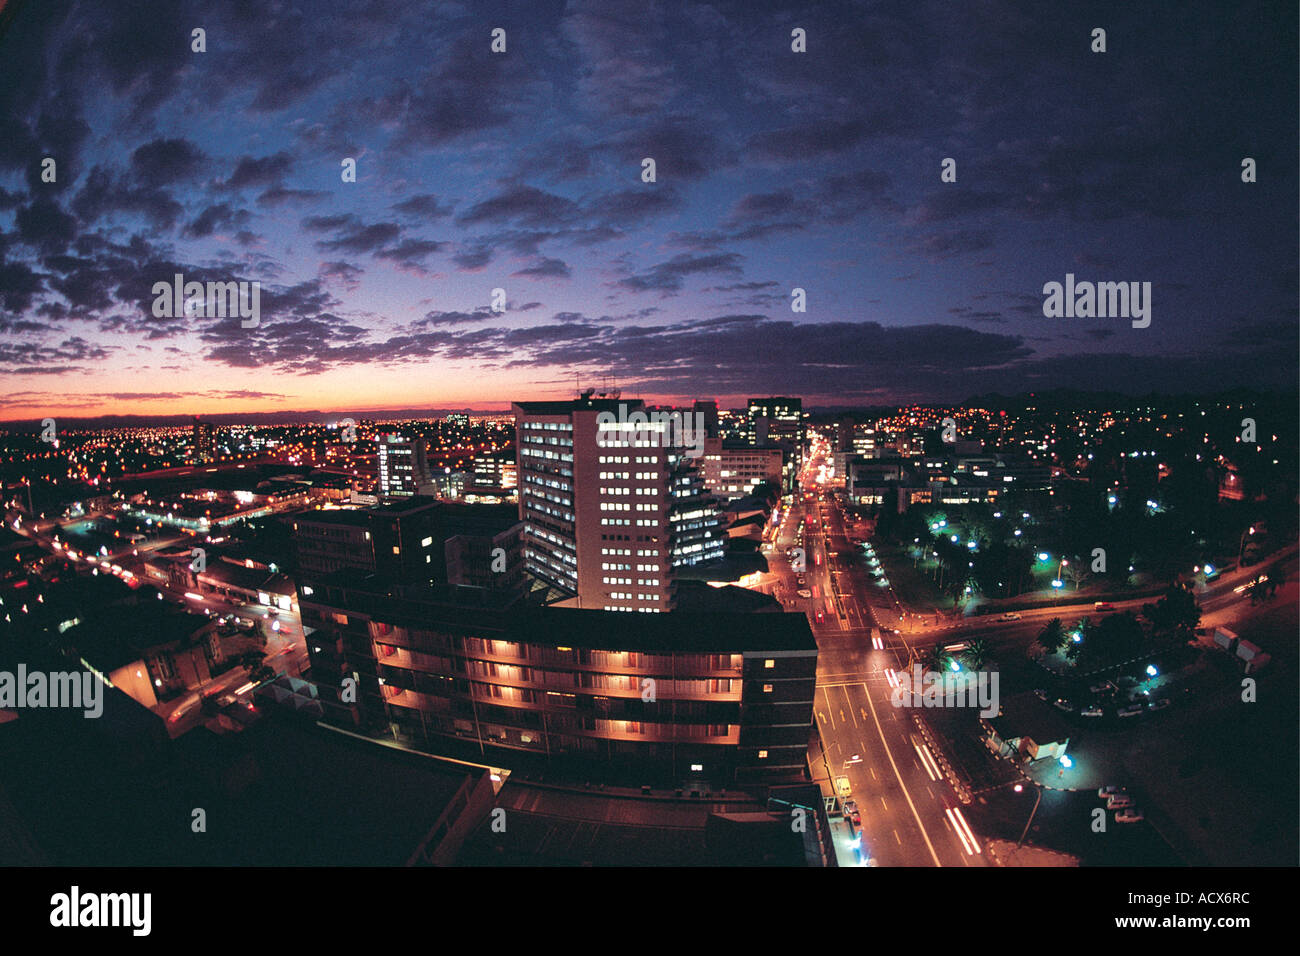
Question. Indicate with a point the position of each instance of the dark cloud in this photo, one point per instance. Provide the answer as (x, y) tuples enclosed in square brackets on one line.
[(18, 286), (425, 206), (165, 161), (219, 216), (44, 225), (259, 171), (668, 276), (521, 206), (362, 239), (411, 253), (278, 196), (809, 140), (546, 268), (105, 193)]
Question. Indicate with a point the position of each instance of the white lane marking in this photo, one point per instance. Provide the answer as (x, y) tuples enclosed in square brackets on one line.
[(889, 753)]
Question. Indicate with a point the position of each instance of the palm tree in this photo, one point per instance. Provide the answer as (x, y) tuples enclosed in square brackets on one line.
[(977, 653), (935, 659), (1052, 636)]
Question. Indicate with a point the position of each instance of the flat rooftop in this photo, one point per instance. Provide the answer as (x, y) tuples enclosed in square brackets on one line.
[(1024, 715), (675, 631)]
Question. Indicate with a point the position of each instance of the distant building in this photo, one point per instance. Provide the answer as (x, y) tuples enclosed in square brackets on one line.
[(398, 540), (779, 420), (414, 540), (403, 466), (495, 470), (735, 469), (204, 437)]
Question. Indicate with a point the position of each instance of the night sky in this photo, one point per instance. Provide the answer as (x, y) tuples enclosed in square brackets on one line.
[(522, 170)]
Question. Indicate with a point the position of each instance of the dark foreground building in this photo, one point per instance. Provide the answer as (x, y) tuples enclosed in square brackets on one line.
[(713, 698)]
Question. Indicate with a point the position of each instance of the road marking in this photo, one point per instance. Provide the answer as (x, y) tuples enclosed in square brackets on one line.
[(828, 703), (850, 703), (889, 753)]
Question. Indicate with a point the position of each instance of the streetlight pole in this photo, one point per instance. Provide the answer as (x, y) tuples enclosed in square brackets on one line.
[(1025, 832), (1241, 547)]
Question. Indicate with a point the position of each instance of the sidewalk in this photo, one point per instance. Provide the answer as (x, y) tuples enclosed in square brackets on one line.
[(1007, 853)]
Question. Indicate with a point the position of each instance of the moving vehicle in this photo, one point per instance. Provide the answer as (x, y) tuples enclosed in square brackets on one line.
[(1062, 704), (1132, 710), (1129, 815), (804, 593), (1108, 791), (1160, 704), (1105, 687), (1093, 711), (1040, 693), (1118, 801), (1103, 606), (1010, 616), (843, 787)]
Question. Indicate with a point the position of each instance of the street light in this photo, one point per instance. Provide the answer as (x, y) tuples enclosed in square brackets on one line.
[(1241, 548), (1037, 800)]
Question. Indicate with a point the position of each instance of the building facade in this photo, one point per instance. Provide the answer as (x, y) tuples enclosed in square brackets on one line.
[(610, 503), (666, 696), (403, 466)]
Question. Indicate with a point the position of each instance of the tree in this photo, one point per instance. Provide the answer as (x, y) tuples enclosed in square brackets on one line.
[(1117, 637), (1052, 637), (1176, 614), (977, 653), (935, 659)]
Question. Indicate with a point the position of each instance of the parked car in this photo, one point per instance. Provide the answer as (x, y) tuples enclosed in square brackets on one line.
[(1132, 710), (843, 787), (1107, 791), (1118, 801), (1129, 815), (804, 593), (1093, 711), (1010, 616)]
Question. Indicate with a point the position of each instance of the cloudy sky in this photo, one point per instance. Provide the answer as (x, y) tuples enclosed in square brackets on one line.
[(776, 170)]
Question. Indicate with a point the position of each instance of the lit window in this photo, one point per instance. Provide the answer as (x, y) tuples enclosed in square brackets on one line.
[(767, 688), (769, 663), (762, 755)]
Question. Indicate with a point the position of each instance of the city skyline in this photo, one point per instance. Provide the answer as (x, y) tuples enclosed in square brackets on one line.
[(521, 170)]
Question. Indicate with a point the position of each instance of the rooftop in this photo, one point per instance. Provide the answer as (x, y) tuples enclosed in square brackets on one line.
[(1024, 715)]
